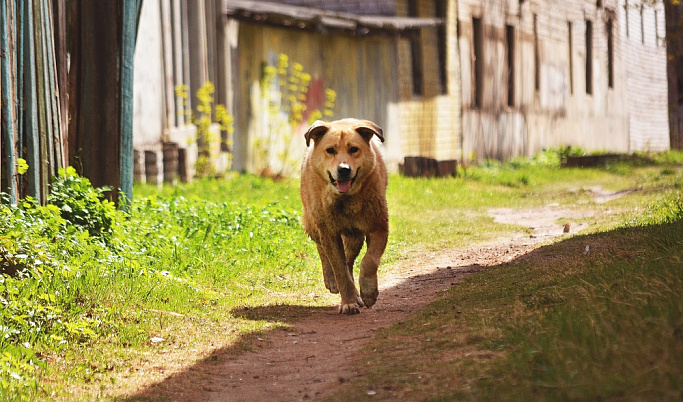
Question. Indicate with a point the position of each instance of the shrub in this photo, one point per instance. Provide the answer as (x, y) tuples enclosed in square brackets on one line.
[(82, 205)]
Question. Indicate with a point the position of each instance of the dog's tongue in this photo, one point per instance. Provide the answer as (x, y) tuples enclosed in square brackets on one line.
[(344, 186)]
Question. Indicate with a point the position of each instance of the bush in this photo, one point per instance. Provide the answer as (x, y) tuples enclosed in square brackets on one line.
[(82, 205)]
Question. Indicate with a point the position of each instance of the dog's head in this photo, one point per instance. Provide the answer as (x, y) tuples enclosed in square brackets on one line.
[(342, 153)]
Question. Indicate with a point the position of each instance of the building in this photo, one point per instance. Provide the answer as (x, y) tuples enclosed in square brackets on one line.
[(452, 79)]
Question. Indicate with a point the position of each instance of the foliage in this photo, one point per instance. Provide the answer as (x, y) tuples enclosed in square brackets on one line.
[(82, 205), (44, 261), (208, 141), (564, 322), (550, 158), (285, 91), (90, 276), (82, 298), (22, 166)]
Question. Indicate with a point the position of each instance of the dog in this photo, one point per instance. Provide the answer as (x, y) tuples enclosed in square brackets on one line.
[(343, 191)]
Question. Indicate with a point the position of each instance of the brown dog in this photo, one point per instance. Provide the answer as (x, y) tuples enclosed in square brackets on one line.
[(343, 190)]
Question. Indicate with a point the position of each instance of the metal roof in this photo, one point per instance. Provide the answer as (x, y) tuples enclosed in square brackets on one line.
[(323, 21)]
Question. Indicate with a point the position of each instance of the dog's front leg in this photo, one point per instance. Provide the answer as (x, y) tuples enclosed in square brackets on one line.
[(377, 242), (328, 272), (334, 251)]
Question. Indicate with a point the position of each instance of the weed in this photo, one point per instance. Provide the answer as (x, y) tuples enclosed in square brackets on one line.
[(285, 91), (82, 290), (81, 205), (557, 324), (208, 140)]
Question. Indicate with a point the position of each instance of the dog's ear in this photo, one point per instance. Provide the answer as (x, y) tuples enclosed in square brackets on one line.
[(317, 130), (367, 129)]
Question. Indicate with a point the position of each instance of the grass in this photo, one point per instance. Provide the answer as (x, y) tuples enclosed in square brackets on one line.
[(88, 291), (556, 324)]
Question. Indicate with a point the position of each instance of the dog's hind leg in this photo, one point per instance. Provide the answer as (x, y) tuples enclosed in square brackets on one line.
[(377, 242), (352, 246)]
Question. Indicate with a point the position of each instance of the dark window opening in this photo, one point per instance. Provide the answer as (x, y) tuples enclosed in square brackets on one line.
[(416, 52), (589, 57), (478, 49), (537, 57), (610, 54), (656, 28), (416, 60), (626, 12), (642, 25), (570, 39), (510, 40), (441, 11)]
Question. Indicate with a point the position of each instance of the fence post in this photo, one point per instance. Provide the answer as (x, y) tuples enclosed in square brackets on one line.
[(8, 101)]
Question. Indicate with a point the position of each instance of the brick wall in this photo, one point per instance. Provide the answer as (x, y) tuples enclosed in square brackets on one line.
[(431, 121), (558, 99), (644, 54)]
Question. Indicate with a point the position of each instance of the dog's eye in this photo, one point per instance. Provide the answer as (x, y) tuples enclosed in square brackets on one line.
[(353, 150), (331, 151)]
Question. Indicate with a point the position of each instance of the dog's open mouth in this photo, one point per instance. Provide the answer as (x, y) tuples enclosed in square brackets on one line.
[(343, 186)]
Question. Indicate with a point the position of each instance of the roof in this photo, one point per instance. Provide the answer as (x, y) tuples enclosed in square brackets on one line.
[(306, 18)]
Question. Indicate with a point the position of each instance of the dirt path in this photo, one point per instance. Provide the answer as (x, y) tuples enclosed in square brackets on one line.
[(310, 359)]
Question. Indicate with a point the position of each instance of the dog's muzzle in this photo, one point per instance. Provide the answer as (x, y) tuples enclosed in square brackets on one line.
[(344, 180)]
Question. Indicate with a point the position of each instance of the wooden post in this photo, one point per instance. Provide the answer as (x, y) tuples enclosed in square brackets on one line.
[(167, 46), (8, 101), (151, 168), (36, 187), (103, 43), (61, 66), (131, 15), (170, 162), (44, 144)]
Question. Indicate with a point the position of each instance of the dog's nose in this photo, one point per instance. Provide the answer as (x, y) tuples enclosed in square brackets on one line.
[(343, 171)]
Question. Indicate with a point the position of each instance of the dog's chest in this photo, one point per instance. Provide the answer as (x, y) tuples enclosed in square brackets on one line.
[(346, 212), (346, 207)]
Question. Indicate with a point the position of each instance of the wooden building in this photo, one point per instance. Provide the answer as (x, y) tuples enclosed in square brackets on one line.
[(446, 79)]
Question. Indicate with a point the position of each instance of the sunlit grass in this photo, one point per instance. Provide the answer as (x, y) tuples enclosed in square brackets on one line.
[(560, 323), (217, 260)]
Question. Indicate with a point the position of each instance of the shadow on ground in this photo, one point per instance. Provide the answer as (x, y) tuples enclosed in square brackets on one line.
[(311, 351)]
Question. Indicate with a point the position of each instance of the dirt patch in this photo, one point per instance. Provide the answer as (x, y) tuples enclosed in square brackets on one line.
[(313, 356)]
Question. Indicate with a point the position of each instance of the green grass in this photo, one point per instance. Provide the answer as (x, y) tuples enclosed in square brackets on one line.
[(556, 324), (85, 288)]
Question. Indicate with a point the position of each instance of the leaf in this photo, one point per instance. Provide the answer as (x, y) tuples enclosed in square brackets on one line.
[(22, 166)]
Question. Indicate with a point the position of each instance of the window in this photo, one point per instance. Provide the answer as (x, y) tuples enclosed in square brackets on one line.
[(416, 51), (570, 41), (610, 53), (656, 28), (642, 25), (589, 57), (510, 40), (478, 55), (626, 12), (441, 11), (537, 57)]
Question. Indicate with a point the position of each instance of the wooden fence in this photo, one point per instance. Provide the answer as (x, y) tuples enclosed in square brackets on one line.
[(40, 67), (33, 95)]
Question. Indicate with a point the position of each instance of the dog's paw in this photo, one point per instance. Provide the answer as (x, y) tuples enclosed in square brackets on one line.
[(349, 309), (369, 292), (370, 299)]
